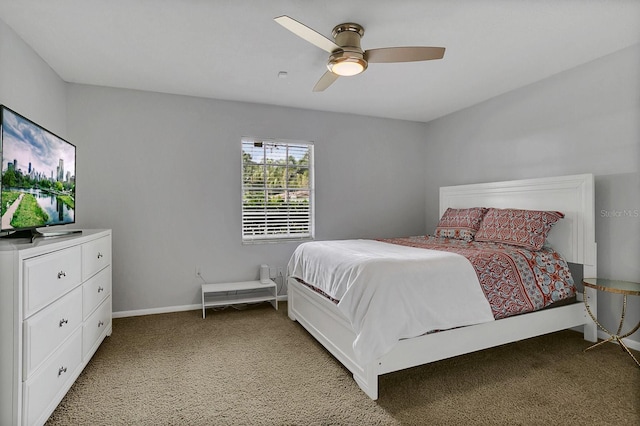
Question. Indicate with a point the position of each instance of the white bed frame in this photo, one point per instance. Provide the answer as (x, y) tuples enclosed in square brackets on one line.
[(573, 236)]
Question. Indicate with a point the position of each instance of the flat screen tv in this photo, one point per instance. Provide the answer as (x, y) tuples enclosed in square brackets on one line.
[(38, 177)]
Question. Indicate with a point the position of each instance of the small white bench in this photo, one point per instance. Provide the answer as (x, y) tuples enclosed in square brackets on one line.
[(224, 294)]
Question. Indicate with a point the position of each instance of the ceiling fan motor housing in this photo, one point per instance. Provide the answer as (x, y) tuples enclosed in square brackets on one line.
[(349, 59)]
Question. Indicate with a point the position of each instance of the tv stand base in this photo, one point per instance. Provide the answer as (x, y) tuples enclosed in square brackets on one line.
[(32, 234)]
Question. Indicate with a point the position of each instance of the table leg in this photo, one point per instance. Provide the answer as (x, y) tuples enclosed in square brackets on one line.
[(627, 349), (624, 309), (586, 305), (617, 337)]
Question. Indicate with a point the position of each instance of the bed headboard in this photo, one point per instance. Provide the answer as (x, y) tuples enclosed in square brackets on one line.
[(573, 236)]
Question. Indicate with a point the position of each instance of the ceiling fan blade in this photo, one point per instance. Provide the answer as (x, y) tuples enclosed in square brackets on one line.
[(403, 54), (311, 35), (325, 81)]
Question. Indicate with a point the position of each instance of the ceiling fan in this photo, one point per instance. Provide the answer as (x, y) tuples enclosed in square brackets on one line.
[(347, 57)]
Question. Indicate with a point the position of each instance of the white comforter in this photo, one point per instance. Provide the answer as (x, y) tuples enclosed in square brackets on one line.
[(389, 292)]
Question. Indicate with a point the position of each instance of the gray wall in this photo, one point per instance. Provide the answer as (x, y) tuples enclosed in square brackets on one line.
[(585, 120), (164, 172), (28, 85)]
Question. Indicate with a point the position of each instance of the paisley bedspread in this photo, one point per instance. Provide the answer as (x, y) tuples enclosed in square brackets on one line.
[(514, 280)]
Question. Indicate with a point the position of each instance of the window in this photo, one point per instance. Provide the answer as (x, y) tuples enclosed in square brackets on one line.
[(277, 190)]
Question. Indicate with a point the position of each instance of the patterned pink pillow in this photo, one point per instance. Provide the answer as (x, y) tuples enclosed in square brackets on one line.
[(461, 224), (523, 228)]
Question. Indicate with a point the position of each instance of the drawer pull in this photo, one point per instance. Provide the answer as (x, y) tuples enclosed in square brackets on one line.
[(100, 289), (63, 322), (100, 255), (61, 274), (100, 324), (62, 370)]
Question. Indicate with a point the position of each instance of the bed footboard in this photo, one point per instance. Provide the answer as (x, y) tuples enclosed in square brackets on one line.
[(321, 318)]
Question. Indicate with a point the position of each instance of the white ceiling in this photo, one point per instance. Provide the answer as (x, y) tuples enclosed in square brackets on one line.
[(232, 49)]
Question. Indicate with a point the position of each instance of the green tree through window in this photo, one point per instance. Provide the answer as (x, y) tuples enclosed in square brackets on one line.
[(277, 190)]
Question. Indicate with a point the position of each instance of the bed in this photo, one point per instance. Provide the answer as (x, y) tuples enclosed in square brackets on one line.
[(573, 237)]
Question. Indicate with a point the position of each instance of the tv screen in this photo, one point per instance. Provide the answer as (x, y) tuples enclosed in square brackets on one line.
[(38, 175)]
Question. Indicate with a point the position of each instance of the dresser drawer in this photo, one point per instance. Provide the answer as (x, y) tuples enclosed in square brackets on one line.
[(95, 256), (44, 331), (95, 290), (45, 389), (95, 328), (49, 276)]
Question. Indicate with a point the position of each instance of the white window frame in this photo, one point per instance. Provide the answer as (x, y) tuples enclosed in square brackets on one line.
[(283, 218)]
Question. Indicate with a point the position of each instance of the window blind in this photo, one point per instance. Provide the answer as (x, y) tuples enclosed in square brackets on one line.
[(277, 190)]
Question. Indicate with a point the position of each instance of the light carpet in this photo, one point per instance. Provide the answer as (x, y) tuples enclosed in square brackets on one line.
[(257, 367)]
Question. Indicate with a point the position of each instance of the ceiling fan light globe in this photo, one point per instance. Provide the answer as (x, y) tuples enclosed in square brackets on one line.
[(347, 67)]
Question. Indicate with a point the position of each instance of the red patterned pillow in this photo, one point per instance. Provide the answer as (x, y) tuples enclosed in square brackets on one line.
[(461, 224), (523, 228)]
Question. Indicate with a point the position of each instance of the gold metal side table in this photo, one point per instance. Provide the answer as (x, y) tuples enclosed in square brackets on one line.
[(626, 288)]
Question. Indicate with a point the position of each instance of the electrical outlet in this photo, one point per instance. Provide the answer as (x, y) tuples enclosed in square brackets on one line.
[(280, 271), (272, 272), (198, 271)]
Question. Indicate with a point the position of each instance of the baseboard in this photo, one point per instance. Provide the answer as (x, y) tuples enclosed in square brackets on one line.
[(153, 311), (632, 344), (169, 309)]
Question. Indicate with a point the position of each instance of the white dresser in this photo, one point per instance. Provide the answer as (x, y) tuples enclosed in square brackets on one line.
[(55, 310)]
